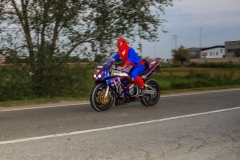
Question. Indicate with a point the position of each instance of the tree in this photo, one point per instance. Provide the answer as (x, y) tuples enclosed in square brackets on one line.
[(73, 59), (237, 53), (181, 54), (99, 57), (51, 30)]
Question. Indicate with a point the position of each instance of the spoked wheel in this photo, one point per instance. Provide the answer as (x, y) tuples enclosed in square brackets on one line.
[(98, 100), (151, 100)]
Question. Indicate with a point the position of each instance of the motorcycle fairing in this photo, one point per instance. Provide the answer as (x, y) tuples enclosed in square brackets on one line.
[(120, 85)]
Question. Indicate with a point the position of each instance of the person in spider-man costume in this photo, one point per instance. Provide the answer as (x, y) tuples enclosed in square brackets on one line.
[(130, 57)]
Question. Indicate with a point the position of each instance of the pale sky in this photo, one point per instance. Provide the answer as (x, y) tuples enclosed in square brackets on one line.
[(219, 21)]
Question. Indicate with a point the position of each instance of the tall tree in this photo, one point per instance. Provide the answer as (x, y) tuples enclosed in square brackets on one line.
[(47, 29), (181, 55)]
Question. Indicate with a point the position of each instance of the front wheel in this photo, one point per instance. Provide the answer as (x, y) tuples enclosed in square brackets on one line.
[(98, 100), (151, 100)]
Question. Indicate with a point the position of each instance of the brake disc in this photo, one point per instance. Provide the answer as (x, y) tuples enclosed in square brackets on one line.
[(101, 97)]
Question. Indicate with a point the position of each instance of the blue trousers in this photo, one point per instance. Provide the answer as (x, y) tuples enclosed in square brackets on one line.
[(137, 70)]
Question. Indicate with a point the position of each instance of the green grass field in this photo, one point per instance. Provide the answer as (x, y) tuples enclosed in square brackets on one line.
[(76, 83)]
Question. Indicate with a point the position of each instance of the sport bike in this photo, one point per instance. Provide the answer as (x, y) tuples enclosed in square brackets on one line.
[(114, 87)]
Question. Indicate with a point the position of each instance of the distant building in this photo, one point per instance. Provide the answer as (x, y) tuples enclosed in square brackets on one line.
[(231, 47), (213, 52), (194, 52)]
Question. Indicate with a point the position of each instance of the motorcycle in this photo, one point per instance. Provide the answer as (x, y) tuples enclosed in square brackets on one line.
[(114, 87)]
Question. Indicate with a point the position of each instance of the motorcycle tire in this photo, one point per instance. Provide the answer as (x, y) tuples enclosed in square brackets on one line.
[(151, 100), (97, 98)]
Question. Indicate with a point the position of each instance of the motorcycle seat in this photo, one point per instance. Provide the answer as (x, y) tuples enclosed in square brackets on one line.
[(146, 64)]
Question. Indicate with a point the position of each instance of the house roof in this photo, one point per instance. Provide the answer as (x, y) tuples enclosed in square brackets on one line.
[(232, 41), (193, 49), (219, 46)]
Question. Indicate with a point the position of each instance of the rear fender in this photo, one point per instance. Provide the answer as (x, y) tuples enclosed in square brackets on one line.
[(153, 66)]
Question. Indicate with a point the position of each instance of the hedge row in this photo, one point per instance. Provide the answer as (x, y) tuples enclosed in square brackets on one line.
[(76, 80)]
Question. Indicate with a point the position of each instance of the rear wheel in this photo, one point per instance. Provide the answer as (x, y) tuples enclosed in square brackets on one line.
[(150, 100), (97, 98)]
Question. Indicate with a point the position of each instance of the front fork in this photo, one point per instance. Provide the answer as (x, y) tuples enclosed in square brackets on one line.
[(106, 93)]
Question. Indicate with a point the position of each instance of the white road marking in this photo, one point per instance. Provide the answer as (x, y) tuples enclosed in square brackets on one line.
[(46, 106), (79, 103), (200, 92), (113, 127)]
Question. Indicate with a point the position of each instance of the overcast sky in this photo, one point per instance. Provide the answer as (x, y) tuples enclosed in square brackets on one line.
[(217, 20)]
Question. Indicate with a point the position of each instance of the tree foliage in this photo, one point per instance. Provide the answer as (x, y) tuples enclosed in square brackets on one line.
[(99, 57), (52, 30), (181, 55)]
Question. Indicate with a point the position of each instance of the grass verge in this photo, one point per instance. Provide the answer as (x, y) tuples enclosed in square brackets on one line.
[(75, 83), (74, 99)]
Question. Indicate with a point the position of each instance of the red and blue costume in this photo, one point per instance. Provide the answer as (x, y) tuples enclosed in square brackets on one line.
[(130, 57)]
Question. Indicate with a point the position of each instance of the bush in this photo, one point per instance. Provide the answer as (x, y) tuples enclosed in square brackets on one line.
[(214, 65), (15, 83), (76, 81), (165, 65), (196, 79), (65, 81), (175, 65)]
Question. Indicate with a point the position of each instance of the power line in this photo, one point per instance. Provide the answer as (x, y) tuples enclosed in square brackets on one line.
[(189, 37), (210, 32), (166, 42), (221, 31)]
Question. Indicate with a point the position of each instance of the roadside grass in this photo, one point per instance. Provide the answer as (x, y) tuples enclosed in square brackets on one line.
[(38, 101), (164, 92), (185, 78), (171, 80)]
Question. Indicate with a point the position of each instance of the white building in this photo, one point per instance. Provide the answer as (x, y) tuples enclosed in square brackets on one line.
[(213, 52)]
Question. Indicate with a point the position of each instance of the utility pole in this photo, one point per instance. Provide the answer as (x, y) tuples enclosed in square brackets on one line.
[(171, 45), (154, 50), (200, 41), (175, 39)]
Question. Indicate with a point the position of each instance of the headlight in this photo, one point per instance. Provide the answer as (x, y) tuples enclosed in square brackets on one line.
[(99, 74)]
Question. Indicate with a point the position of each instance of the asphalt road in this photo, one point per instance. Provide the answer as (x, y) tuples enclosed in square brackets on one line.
[(191, 126)]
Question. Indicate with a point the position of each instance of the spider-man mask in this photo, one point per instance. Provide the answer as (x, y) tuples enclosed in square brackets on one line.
[(122, 45)]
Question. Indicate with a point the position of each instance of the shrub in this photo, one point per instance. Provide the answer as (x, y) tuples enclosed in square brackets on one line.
[(76, 81), (15, 83), (214, 65)]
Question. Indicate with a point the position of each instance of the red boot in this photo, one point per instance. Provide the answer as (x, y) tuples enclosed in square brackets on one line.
[(139, 82)]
